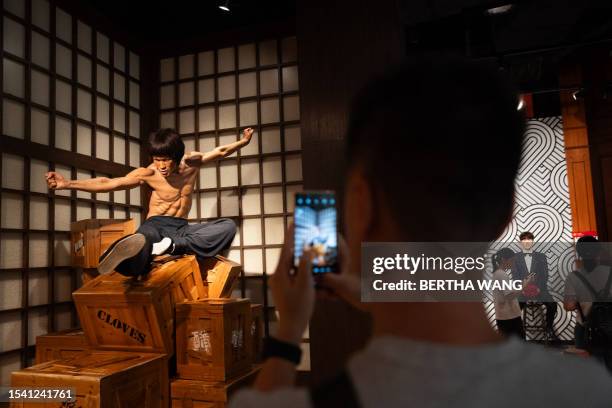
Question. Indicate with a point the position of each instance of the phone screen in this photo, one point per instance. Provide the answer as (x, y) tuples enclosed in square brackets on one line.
[(315, 228)]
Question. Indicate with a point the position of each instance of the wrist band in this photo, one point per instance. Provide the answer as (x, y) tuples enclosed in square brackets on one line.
[(277, 348)]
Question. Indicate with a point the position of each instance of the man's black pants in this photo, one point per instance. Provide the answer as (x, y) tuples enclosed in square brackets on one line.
[(203, 240)]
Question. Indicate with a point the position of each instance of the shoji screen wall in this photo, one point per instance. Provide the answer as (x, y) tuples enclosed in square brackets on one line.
[(209, 97), (70, 103)]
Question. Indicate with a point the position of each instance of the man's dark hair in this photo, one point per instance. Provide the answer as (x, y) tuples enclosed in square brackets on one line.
[(526, 235), (440, 140), (167, 142)]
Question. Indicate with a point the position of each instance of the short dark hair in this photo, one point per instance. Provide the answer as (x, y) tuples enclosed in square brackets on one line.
[(501, 255), (430, 126), (166, 142), (526, 235)]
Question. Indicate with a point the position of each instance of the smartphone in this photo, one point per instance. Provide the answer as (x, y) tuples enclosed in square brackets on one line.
[(315, 220)]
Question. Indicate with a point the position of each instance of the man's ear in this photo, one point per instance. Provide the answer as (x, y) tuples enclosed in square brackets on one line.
[(358, 202)]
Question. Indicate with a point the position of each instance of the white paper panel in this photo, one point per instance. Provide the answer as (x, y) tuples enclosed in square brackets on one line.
[(291, 108), (63, 133), (40, 88), (247, 84), (83, 139), (208, 205), (267, 52), (270, 110), (12, 210), (119, 118), (248, 114), (63, 97), (134, 95), (62, 215), (63, 25), (134, 65), (14, 37), (289, 49), (268, 81), (293, 138), (226, 139), (167, 69), (38, 288), (135, 215), (119, 149), (186, 66), (135, 196), (119, 196), (167, 96), (8, 364), (291, 190), (103, 211), (207, 143), (102, 79), (102, 112), (226, 86), (62, 250), (16, 7), (84, 36), (208, 176), (102, 145), (119, 87), (39, 126), (246, 56), (84, 70), (83, 211), (229, 174), (63, 317), (253, 261), (227, 116), (270, 140), (37, 325), (83, 175), (272, 172), (84, 105), (12, 171), (38, 169), (206, 90), (206, 119), (290, 79), (65, 171), (40, 49), (186, 93), (275, 230), (40, 13), (237, 237), (167, 120), (206, 63), (13, 114), (134, 124), (234, 255), (63, 61), (273, 200), (251, 231), (39, 251), (39, 213), (189, 144), (252, 147), (103, 47), (10, 331), (11, 247), (134, 154), (251, 204), (13, 78), (10, 290), (119, 53), (186, 121), (249, 172), (229, 204), (293, 167), (225, 59), (272, 257)]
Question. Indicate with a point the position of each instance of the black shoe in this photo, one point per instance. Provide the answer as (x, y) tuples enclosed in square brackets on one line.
[(119, 251)]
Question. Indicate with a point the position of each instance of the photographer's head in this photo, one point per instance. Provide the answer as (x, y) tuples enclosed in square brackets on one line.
[(424, 157)]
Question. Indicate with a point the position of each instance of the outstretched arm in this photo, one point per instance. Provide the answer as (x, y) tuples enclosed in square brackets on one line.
[(198, 158), (56, 181)]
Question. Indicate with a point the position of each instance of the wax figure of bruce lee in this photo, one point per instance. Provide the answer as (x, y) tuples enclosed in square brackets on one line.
[(171, 176)]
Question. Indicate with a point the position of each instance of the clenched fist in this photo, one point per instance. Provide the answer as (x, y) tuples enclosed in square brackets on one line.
[(56, 181), (247, 134)]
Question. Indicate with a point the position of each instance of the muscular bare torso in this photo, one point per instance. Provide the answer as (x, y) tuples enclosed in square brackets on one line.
[(171, 195)]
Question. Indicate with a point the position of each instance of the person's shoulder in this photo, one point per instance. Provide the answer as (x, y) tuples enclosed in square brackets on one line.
[(143, 172), (285, 397)]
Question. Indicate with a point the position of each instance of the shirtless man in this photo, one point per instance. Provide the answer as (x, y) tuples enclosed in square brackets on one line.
[(172, 177)]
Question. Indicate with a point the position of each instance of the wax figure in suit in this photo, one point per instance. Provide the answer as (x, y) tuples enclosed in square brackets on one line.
[(529, 262)]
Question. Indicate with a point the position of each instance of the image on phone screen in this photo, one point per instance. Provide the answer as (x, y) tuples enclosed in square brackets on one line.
[(315, 228)]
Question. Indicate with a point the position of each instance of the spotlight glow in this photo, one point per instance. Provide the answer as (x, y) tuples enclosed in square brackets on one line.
[(224, 8)]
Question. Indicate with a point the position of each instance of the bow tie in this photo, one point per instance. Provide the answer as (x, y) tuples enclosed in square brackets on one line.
[(527, 254)]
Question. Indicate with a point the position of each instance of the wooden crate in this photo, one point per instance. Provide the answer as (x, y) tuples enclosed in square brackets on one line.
[(102, 379), (123, 313), (90, 238), (219, 275), (257, 332), (202, 394), (213, 339), (61, 345)]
